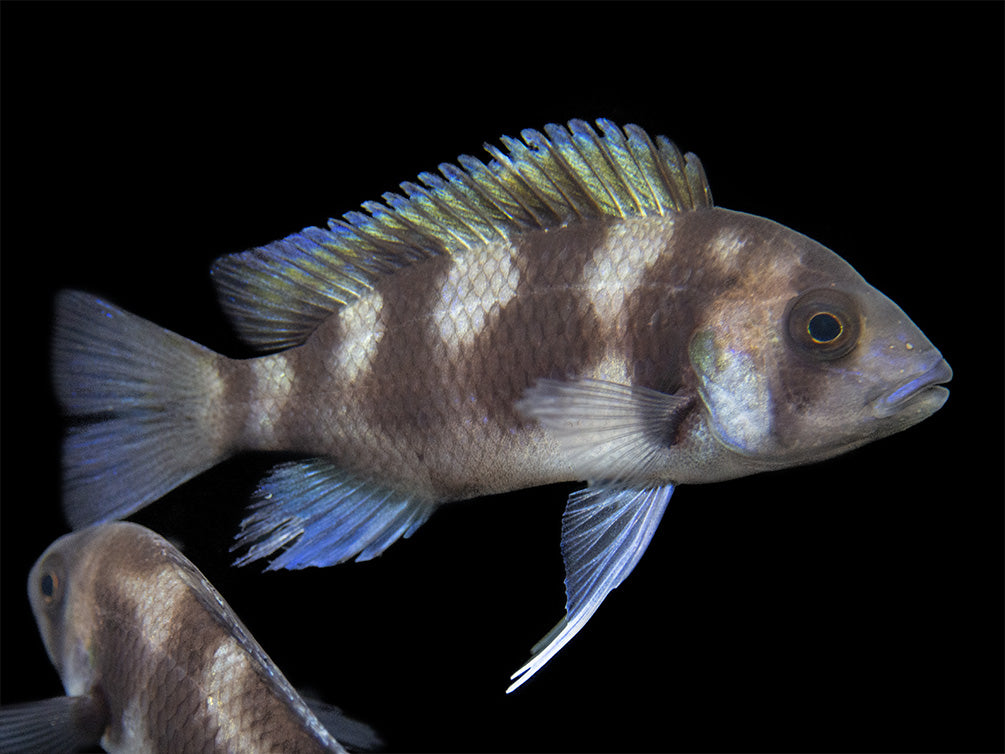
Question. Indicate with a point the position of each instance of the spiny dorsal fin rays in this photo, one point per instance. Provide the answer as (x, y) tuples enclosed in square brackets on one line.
[(624, 171), (277, 294), (688, 175), (468, 220), (524, 181), (583, 189), (490, 216)]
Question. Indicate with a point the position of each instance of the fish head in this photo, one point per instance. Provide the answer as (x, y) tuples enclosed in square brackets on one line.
[(58, 590), (802, 359)]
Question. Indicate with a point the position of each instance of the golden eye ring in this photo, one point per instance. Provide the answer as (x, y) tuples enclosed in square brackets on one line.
[(824, 327), (823, 324)]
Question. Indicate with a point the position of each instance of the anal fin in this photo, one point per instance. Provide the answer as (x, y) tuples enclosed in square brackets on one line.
[(605, 530), (323, 516)]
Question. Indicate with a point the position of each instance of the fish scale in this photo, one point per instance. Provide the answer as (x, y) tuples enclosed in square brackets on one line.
[(576, 309)]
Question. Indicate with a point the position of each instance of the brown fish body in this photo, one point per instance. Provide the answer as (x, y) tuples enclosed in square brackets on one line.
[(411, 373), (574, 310), (431, 367), (135, 628)]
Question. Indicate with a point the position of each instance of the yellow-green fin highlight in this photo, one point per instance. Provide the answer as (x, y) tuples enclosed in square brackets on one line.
[(276, 295)]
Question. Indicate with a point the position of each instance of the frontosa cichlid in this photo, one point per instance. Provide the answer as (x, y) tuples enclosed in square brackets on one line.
[(576, 309)]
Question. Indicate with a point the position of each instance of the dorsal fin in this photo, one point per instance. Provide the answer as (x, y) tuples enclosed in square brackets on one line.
[(276, 295)]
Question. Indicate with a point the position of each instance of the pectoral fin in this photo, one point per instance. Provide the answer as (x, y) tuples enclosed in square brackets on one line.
[(605, 530), (61, 724), (609, 431)]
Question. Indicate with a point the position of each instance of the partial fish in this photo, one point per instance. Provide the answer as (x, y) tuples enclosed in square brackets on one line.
[(576, 309), (153, 659)]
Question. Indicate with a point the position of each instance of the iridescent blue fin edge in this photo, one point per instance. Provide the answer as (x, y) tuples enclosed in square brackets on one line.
[(314, 514), (605, 531)]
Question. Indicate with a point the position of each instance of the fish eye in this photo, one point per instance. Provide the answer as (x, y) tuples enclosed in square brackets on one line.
[(50, 585), (824, 327), (823, 324)]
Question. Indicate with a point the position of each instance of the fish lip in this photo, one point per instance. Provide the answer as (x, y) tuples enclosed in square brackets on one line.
[(920, 386)]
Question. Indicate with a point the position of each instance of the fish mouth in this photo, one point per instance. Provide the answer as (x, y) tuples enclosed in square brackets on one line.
[(923, 391)]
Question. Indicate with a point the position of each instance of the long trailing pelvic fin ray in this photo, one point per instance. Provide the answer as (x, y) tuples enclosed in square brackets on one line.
[(605, 531)]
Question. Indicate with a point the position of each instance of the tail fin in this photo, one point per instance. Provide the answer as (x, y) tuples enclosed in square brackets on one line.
[(146, 408)]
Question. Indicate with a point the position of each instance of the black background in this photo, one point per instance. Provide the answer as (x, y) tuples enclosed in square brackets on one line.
[(851, 605)]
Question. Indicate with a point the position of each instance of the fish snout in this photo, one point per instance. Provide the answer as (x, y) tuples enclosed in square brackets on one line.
[(922, 391)]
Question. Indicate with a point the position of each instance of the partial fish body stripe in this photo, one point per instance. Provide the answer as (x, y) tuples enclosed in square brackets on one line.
[(359, 335), (158, 665), (627, 254), (156, 596), (226, 677), (273, 383), (725, 246), (478, 286)]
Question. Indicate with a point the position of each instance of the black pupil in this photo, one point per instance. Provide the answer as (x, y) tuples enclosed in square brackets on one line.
[(823, 327), (48, 585)]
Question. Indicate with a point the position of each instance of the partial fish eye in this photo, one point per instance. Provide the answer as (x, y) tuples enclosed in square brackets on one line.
[(824, 327), (50, 585), (823, 324)]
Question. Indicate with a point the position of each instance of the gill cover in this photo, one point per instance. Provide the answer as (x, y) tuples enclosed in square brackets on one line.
[(734, 388)]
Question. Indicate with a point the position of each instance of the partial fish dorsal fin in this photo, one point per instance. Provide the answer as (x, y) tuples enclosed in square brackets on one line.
[(276, 295)]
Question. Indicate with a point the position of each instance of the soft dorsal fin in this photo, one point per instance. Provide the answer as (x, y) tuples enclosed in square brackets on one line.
[(276, 295)]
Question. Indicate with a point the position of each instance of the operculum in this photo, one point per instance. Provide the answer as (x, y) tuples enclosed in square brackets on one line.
[(733, 385)]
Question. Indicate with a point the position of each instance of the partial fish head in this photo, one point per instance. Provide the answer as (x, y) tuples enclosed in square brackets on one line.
[(59, 587), (803, 359)]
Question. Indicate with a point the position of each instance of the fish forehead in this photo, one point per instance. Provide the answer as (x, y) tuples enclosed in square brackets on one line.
[(722, 249)]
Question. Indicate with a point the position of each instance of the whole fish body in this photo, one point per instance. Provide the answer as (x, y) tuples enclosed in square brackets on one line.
[(576, 309), (154, 660)]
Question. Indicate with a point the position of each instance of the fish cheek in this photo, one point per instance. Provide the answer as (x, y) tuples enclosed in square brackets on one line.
[(735, 390), (819, 405), (819, 372)]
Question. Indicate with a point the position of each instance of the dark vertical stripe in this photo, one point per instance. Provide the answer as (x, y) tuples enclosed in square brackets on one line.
[(547, 330), (167, 682)]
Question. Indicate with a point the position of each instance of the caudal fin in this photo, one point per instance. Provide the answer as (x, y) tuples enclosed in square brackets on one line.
[(145, 406)]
